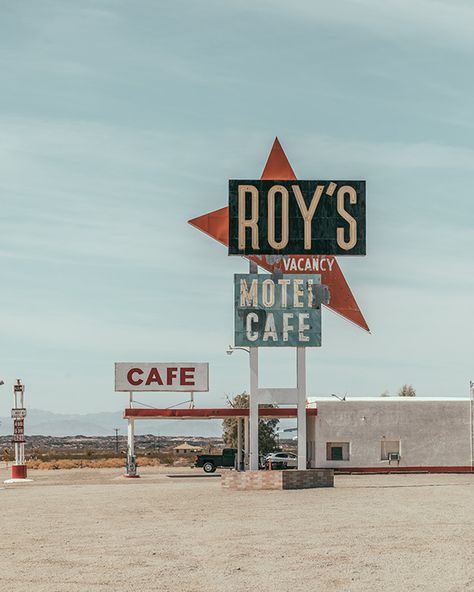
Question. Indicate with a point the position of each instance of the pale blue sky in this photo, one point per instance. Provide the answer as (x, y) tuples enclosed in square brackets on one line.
[(121, 120)]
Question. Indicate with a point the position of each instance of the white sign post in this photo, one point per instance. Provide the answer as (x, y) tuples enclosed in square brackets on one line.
[(277, 395), (156, 377)]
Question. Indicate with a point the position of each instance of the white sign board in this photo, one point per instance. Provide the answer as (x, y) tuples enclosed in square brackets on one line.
[(162, 376), (18, 413)]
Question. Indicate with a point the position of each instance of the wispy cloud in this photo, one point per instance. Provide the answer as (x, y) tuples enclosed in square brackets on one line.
[(118, 125), (442, 23), (405, 156)]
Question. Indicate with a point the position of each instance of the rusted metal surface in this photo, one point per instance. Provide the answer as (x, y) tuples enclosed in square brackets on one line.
[(213, 413), (277, 312), (216, 225)]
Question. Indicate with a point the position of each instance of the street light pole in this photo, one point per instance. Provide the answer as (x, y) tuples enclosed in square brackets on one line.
[(231, 349), (246, 420)]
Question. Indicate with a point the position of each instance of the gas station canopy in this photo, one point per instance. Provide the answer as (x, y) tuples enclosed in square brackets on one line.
[(213, 413)]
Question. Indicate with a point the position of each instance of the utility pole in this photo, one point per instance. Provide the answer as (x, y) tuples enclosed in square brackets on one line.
[(116, 440)]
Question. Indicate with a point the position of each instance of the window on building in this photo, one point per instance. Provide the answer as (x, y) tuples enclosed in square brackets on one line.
[(337, 451), (390, 450)]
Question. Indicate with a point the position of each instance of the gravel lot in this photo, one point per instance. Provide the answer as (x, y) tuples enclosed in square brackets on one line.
[(91, 530)]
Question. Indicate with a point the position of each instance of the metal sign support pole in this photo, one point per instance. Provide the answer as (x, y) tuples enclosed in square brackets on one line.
[(301, 412), (131, 462), (131, 438), (246, 443), (239, 445), (253, 413)]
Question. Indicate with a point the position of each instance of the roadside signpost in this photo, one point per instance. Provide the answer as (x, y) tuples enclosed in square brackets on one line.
[(19, 472), (287, 226), (156, 377), (18, 431), (216, 225)]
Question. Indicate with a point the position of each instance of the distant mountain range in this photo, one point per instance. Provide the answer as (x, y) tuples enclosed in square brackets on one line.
[(46, 423)]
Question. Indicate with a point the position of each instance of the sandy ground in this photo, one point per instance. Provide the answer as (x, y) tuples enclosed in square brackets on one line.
[(91, 530)]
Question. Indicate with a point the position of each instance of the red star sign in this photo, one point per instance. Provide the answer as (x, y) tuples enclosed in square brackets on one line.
[(216, 225)]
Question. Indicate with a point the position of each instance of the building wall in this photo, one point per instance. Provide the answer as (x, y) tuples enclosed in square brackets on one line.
[(187, 451), (431, 433)]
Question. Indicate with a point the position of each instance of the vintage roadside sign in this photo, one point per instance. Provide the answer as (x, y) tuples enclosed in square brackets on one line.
[(216, 225), (162, 376), (296, 217), (275, 311), (18, 430), (19, 426), (298, 264)]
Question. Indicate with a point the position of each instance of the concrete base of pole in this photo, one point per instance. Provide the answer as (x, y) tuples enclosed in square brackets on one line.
[(8, 481), (132, 476), (19, 475), (18, 471)]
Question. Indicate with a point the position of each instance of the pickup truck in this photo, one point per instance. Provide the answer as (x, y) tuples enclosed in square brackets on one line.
[(210, 462)]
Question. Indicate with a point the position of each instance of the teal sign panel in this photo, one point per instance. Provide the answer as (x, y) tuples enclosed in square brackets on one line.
[(273, 311)]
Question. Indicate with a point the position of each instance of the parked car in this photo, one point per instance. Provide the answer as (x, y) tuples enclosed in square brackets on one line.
[(281, 460), (210, 462)]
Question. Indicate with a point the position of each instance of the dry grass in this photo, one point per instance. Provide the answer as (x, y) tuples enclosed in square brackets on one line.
[(105, 463), (55, 459), (81, 463)]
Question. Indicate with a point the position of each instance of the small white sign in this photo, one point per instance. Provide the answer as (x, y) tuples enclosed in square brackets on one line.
[(19, 413), (162, 376)]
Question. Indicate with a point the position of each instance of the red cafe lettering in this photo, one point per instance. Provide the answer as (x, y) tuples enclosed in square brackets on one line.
[(161, 376), (171, 376)]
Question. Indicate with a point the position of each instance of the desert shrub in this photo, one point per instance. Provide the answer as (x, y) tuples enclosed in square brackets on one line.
[(407, 390), (105, 463)]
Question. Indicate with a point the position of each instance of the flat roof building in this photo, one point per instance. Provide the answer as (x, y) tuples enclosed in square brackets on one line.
[(185, 448), (391, 434)]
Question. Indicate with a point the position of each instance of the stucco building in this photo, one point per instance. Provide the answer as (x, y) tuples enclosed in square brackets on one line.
[(391, 434), (186, 449)]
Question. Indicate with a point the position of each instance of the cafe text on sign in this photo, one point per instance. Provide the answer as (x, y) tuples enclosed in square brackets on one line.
[(296, 217), (277, 312), (162, 376)]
